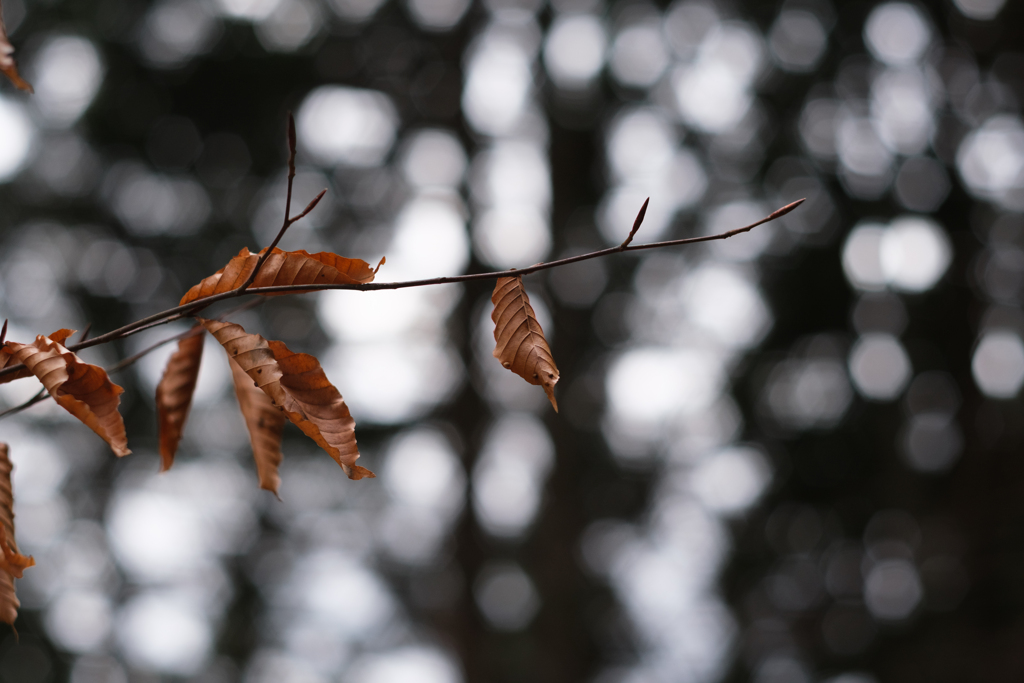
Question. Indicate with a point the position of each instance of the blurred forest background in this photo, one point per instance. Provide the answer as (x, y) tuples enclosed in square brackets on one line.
[(790, 457)]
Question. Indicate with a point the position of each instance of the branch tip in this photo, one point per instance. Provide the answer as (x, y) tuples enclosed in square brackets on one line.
[(779, 213), (309, 207), (3, 332), (85, 333), (636, 223)]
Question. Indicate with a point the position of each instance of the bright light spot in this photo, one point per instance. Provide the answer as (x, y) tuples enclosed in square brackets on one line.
[(149, 204), (862, 256), (860, 149), (292, 24), (512, 173), (411, 535), (732, 480), (710, 96), (574, 50), (853, 678), (991, 161), (506, 596), (39, 467), (356, 11), (639, 55), (897, 33), (388, 382), (250, 10), (79, 620), (736, 45), (429, 240), (687, 22), (798, 40), (164, 632), (640, 143), (511, 237), (174, 31), (650, 385), (892, 589), (746, 246), (879, 366), (340, 594), (510, 473), (422, 471), (982, 10), (901, 110), (340, 125), (416, 312), (808, 393), (998, 364), (818, 123), (66, 73), (405, 665), (725, 302), (932, 442), (434, 158), (437, 15), (914, 254), (498, 82)]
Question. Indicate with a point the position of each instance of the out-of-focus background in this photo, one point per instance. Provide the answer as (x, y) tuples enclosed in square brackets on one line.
[(790, 457)]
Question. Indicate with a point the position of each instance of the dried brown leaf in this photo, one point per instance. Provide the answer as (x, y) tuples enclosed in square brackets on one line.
[(282, 268), (7, 64), (265, 422), (174, 394), (82, 389), (296, 383), (12, 563), (60, 336), (521, 346)]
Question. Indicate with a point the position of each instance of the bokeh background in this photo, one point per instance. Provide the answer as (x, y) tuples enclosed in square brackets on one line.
[(790, 457)]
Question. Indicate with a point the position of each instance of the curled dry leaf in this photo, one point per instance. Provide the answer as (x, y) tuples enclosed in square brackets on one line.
[(7, 64), (82, 389), (265, 423), (282, 268), (521, 346), (12, 563), (60, 336), (296, 383), (174, 394)]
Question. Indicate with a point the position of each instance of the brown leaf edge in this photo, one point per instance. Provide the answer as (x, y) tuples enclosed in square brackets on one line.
[(82, 389), (7, 64), (60, 336), (265, 423), (174, 393), (282, 268), (296, 383), (12, 563), (520, 343)]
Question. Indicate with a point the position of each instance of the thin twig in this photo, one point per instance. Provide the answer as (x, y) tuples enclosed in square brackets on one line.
[(636, 224), (131, 360), (194, 307), (3, 332), (287, 207), (85, 333)]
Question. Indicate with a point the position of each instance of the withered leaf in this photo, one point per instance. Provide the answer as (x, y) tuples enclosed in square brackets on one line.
[(265, 423), (60, 336), (296, 383), (82, 389), (7, 64), (282, 268), (12, 563), (521, 346), (174, 394)]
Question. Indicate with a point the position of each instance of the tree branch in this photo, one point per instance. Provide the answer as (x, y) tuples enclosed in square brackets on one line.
[(194, 307)]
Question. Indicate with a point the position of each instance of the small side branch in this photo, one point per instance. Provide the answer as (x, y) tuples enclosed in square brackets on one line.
[(636, 224)]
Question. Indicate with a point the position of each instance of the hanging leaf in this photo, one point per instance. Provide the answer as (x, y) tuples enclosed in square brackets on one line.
[(12, 563), (265, 423), (521, 346), (174, 394), (296, 383), (60, 336), (7, 64), (82, 389), (282, 268)]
